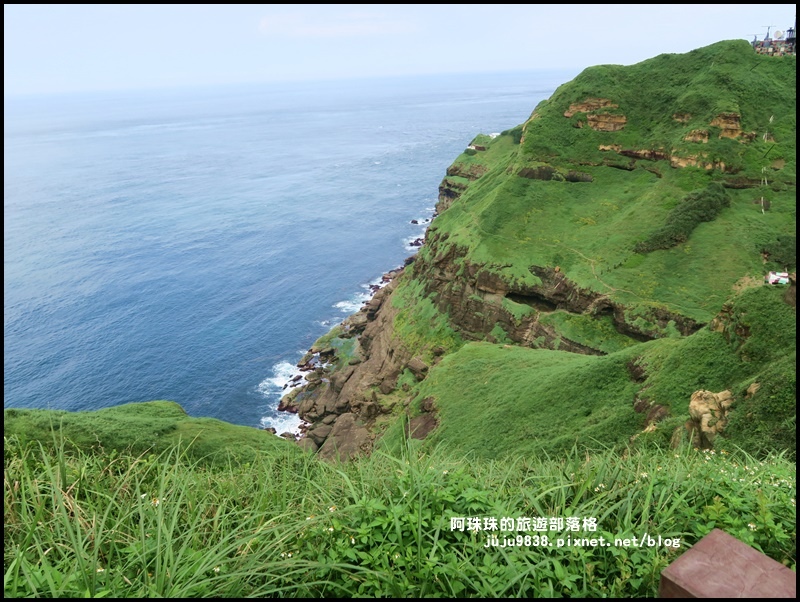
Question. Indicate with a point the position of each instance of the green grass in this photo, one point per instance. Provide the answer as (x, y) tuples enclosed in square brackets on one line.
[(420, 326), (597, 333), (497, 400), (80, 524), (148, 427)]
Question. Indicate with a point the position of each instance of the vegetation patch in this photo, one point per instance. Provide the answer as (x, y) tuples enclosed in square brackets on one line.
[(697, 207), (412, 524), (595, 332), (141, 428)]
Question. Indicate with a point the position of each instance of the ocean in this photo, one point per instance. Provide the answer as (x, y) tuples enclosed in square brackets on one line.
[(191, 244)]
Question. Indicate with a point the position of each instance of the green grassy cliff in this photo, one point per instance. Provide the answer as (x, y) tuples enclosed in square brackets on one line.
[(623, 224)]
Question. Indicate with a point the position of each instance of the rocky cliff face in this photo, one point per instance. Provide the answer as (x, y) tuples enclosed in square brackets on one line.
[(342, 402), (473, 296)]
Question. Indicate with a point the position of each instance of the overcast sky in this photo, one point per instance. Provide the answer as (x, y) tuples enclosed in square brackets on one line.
[(68, 48)]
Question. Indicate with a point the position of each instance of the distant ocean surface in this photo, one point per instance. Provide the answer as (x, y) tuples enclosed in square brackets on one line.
[(191, 245)]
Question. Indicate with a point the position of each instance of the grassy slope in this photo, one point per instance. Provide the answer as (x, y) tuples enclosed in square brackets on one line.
[(589, 229), (498, 400), (541, 400), (148, 427), (79, 524)]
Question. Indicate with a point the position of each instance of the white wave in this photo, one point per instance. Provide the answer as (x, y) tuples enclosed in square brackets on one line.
[(407, 242), (377, 281), (352, 305), (285, 422), (283, 378), (282, 381)]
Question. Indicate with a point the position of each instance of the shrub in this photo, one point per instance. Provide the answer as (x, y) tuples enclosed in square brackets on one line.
[(697, 207)]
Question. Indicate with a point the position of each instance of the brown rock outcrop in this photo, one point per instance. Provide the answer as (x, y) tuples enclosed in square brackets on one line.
[(696, 161), (606, 122), (449, 191), (709, 416), (697, 136), (729, 124), (589, 105), (347, 440), (472, 171)]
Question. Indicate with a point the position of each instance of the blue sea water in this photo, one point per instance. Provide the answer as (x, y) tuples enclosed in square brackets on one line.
[(190, 245)]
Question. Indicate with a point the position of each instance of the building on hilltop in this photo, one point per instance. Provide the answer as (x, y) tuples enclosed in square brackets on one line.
[(782, 44)]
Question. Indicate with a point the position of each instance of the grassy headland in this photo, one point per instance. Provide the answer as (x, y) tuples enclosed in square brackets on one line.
[(588, 272)]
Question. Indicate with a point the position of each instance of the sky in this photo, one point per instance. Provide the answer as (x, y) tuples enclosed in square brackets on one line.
[(82, 48)]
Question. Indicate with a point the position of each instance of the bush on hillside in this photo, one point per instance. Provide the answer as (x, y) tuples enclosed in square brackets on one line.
[(697, 207)]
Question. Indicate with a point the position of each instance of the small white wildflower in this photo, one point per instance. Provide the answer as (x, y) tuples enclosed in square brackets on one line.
[(101, 569), (396, 556), (332, 509), (289, 554), (445, 472), (283, 554), (752, 526), (155, 501), (144, 495), (330, 529), (353, 540), (216, 569), (643, 475)]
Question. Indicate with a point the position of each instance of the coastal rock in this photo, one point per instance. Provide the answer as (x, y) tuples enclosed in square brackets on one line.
[(418, 368), (421, 426), (729, 124), (308, 444), (473, 171), (388, 384), (355, 323), (347, 440), (478, 298), (319, 433)]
